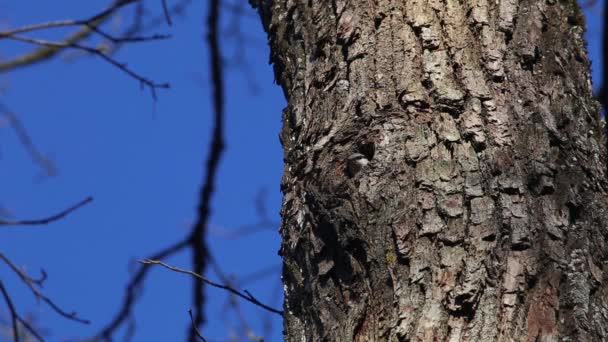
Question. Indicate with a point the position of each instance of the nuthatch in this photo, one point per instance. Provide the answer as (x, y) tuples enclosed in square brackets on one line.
[(356, 162)]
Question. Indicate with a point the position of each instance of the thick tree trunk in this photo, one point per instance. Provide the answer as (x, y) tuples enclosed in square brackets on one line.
[(445, 171)]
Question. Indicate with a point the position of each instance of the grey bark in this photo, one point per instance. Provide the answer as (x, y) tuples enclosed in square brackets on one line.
[(444, 171)]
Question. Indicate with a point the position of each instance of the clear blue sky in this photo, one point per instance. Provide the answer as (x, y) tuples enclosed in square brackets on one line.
[(143, 163)]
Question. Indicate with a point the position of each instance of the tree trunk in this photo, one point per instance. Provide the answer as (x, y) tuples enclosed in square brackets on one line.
[(444, 171)]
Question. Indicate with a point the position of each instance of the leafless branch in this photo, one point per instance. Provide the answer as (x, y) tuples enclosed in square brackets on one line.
[(49, 219), (16, 319), (98, 52), (195, 241), (91, 25), (11, 309), (130, 330), (178, 8), (232, 302), (48, 51), (198, 333), (244, 294), (166, 12), (62, 23), (27, 142), (277, 291), (199, 231), (132, 292), (32, 283), (132, 39), (139, 25)]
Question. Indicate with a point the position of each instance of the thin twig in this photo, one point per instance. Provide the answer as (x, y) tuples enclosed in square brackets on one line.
[(41, 26), (72, 22), (166, 11), (46, 52), (49, 219), (98, 52), (11, 309), (277, 291), (195, 240), (138, 25), (133, 290), (24, 276), (198, 333), (32, 283), (232, 301), (16, 319), (244, 294), (91, 25), (27, 142)]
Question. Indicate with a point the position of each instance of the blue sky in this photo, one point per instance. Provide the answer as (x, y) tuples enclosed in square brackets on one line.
[(143, 163)]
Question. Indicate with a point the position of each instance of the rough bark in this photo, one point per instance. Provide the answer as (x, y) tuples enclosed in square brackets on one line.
[(444, 171)]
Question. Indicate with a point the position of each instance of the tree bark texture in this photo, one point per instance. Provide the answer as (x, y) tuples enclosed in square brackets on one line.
[(444, 171)]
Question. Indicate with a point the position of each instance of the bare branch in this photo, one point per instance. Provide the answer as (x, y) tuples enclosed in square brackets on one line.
[(166, 12), (245, 294), (198, 244), (138, 25), (15, 318), (195, 241), (48, 51), (62, 23), (98, 52), (27, 142), (133, 290), (41, 26), (32, 283), (11, 309), (232, 301), (49, 219), (198, 333)]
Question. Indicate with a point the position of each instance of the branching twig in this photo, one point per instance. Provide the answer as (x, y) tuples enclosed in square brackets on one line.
[(46, 220), (198, 333), (90, 25), (13, 312), (133, 290), (195, 241), (199, 231), (244, 294), (232, 301), (15, 318), (98, 52), (32, 283), (70, 22), (46, 52), (138, 25)]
